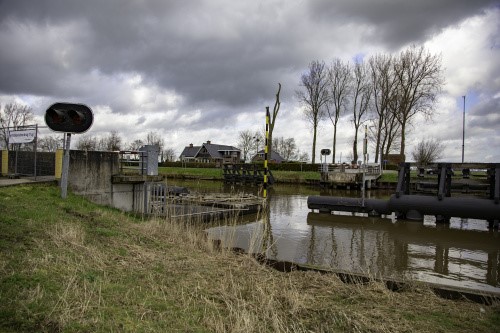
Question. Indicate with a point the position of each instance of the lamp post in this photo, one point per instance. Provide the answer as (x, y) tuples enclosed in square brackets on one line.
[(463, 132), (365, 151), (256, 140)]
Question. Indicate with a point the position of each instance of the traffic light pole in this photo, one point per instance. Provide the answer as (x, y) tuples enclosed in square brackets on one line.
[(65, 167)]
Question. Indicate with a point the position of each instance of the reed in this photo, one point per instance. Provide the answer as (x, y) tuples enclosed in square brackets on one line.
[(72, 266)]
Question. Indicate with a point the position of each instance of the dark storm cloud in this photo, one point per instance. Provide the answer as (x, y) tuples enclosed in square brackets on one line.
[(203, 52), (223, 55), (400, 22)]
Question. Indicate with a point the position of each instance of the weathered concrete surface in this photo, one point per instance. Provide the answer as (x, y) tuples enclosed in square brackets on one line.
[(90, 174)]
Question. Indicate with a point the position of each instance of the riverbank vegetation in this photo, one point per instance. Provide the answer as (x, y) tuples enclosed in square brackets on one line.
[(72, 266), (299, 177), (217, 174)]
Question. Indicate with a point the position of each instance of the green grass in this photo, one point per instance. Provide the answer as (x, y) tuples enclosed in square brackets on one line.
[(73, 266), (217, 174), (390, 176), (208, 173)]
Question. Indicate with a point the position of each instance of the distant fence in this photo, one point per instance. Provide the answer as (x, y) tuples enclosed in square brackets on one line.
[(272, 166), (23, 163)]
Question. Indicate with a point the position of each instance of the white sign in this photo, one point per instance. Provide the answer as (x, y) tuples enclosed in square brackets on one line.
[(24, 136)]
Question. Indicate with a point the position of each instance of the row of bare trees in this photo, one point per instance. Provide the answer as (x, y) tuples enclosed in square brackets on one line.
[(387, 91), (114, 142), (251, 143)]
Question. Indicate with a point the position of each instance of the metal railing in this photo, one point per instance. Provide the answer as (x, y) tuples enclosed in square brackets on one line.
[(371, 169), (133, 162)]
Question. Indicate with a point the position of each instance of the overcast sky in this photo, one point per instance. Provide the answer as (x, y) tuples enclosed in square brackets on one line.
[(205, 70)]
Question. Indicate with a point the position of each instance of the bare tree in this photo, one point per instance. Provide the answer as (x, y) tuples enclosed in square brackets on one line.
[(382, 84), (87, 142), (391, 132), (246, 143), (339, 76), (286, 148), (169, 154), (112, 142), (136, 144), (419, 79), (361, 96), (302, 156), (154, 138), (13, 115), (49, 143), (258, 141), (315, 97), (427, 152)]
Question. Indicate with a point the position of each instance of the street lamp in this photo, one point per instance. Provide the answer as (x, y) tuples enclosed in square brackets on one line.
[(463, 132), (365, 151), (256, 139)]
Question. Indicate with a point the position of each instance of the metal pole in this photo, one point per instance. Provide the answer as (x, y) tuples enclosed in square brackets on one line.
[(365, 150), (36, 142), (65, 167), (266, 149), (463, 133)]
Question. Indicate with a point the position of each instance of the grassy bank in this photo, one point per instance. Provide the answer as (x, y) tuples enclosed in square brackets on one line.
[(300, 177), (72, 266), (216, 174)]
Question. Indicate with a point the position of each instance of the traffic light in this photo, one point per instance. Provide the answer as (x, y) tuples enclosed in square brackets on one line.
[(69, 118)]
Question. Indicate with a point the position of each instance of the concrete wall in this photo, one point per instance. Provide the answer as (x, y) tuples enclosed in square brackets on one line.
[(90, 174), (123, 197)]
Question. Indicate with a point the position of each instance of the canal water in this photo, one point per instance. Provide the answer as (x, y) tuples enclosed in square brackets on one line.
[(462, 254)]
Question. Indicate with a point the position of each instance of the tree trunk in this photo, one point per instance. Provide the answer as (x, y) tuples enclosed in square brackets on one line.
[(402, 147), (377, 148), (314, 145), (334, 143), (355, 146)]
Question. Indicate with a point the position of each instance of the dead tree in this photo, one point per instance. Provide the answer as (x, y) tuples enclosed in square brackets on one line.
[(272, 120)]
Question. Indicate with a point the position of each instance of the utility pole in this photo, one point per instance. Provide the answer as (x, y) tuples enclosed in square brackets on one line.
[(365, 151), (463, 132)]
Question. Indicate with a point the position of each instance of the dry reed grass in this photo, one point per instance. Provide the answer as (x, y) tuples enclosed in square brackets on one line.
[(90, 269)]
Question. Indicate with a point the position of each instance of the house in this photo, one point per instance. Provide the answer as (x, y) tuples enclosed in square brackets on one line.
[(274, 158), (211, 153)]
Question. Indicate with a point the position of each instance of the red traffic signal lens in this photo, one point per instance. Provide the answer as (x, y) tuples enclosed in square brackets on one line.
[(69, 118), (56, 116), (76, 117)]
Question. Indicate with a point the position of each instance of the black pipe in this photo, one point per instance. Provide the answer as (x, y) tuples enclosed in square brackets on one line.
[(464, 207), (354, 205)]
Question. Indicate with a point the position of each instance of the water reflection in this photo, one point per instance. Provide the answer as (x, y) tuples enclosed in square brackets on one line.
[(463, 254)]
